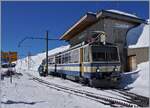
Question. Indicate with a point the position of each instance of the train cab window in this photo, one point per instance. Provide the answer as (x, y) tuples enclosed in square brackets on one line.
[(98, 56), (86, 54), (104, 53)]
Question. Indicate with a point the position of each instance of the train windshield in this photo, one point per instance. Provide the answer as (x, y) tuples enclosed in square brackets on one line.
[(106, 53)]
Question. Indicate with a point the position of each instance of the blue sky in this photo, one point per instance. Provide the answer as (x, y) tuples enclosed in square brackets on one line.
[(21, 19)]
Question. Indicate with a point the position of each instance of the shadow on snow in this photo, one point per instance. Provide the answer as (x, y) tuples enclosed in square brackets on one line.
[(20, 102)]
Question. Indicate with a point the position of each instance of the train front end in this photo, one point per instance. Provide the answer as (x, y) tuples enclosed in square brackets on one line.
[(103, 67)]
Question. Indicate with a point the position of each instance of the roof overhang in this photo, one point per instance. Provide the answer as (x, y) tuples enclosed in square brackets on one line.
[(105, 13), (79, 26), (91, 18)]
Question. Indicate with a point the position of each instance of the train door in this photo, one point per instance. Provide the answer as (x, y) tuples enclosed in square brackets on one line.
[(81, 62)]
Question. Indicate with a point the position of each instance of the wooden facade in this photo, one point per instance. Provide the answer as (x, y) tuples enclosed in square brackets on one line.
[(142, 54)]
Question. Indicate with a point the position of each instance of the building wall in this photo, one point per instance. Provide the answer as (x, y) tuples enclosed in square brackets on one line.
[(117, 31), (84, 35), (142, 54)]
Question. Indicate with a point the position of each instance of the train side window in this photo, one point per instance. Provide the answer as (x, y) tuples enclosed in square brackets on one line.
[(67, 57), (58, 59), (86, 54), (51, 60), (63, 58), (75, 56)]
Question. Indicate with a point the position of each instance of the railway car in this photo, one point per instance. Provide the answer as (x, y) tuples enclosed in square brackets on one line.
[(95, 64)]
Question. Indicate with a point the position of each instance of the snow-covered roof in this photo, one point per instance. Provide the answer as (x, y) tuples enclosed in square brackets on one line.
[(122, 13), (148, 21), (138, 37)]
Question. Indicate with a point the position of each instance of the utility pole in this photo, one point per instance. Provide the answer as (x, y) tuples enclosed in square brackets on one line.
[(46, 39), (46, 73), (29, 60), (9, 68)]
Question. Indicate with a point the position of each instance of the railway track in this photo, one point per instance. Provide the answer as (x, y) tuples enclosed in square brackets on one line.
[(104, 99), (135, 98)]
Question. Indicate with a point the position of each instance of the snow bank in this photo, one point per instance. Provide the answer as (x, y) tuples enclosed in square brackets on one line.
[(138, 37), (128, 78), (123, 13), (36, 60), (141, 85), (138, 80)]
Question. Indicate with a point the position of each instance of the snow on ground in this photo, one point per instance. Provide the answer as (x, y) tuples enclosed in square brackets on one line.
[(141, 85), (138, 81), (139, 36), (25, 93), (75, 85), (123, 13)]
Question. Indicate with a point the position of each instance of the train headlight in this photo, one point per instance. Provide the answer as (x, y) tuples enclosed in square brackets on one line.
[(116, 69), (97, 70)]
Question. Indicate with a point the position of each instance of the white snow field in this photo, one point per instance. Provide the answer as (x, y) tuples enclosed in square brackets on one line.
[(25, 93), (141, 85)]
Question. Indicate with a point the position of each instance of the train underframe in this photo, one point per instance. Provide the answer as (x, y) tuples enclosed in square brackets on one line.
[(98, 80)]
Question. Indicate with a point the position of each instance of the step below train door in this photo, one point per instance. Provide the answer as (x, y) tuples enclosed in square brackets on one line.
[(81, 62)]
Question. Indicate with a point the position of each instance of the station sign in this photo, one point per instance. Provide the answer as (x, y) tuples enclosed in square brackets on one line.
[(9, 56)]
